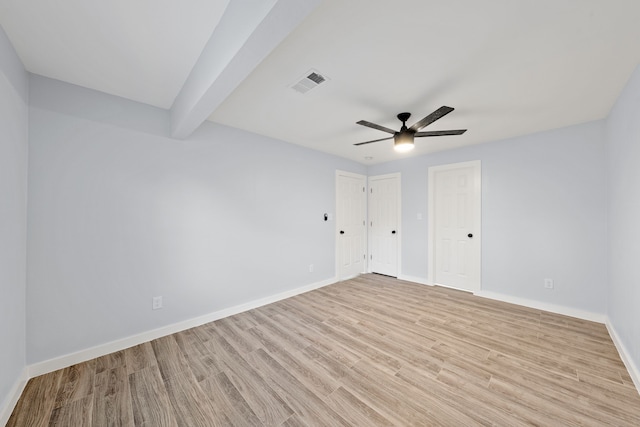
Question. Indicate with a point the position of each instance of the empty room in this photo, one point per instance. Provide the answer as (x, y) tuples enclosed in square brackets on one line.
[(319, 213)]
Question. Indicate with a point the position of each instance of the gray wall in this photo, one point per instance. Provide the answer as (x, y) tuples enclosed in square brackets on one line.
[(119, 213), (13, 211), (623, 154), (543, 214)]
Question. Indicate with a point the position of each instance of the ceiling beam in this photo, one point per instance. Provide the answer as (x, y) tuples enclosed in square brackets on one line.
[(248, 31)]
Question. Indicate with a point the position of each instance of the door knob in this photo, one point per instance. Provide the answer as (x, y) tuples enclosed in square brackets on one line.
[(393, 232), (469, 235), (341, 231)]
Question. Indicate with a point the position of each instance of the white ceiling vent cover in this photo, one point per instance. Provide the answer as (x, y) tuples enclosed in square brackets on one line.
[(311, 79)]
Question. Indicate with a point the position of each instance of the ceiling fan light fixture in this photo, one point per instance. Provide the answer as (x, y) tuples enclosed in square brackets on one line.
[(403, 139), (403, 142)]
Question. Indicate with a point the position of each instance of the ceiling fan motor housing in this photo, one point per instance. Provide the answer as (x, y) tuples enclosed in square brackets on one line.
[(403, 117)]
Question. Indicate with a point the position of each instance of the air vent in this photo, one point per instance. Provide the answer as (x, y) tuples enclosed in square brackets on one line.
[(310, 80), (316, 78)]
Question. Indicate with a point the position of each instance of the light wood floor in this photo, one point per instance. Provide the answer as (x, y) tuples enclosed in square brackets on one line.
[(369, 351)]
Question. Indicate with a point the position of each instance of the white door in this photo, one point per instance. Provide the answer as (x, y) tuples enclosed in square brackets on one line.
[(351, 229), (384, 224), (454, 225)]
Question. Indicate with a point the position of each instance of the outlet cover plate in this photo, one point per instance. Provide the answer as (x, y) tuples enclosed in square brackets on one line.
[(157, 303)]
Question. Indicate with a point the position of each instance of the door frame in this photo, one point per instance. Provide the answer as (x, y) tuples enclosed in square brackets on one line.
[(336, 228), (477, 235), (398, 177)]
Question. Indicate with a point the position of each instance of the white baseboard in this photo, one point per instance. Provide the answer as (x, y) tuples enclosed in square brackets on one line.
[(634, 372), (553, 308), (539, 305), (16, 391), (61, 362), (414, 279)]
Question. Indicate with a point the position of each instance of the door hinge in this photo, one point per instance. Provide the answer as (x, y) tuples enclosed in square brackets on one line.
[(363, 190)]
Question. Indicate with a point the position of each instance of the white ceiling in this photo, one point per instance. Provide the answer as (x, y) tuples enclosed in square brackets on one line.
[(142, 50), (509, 67)]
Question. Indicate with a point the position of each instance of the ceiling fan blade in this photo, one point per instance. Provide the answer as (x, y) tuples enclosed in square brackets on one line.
[(440, 133), (438, 114), (375, 126), (375, 140)]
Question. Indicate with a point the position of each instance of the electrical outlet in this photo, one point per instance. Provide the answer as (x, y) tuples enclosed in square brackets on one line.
[(310, 268), (157, 303), (548, 283)]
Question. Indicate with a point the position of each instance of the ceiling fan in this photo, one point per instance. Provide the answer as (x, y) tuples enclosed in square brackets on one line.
[(403, 139)]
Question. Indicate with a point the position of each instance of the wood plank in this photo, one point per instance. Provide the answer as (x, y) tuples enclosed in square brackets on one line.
[(355, 410), (77, 412), (268, 405), (303, 401), (37, 401), (170, 359), (243, 342), (112, 398), (149, 399), (76, 383), (110, 361), (229, 401), (139, 357), (297, 364), (191, 405)]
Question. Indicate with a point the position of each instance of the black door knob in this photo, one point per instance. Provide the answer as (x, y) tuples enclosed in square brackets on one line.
[(341, 231), (393, 232), (469, 235)]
